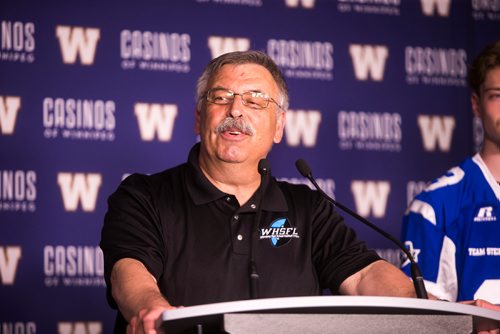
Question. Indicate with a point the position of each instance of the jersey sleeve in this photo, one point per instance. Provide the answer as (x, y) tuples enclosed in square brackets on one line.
[(425, 234)]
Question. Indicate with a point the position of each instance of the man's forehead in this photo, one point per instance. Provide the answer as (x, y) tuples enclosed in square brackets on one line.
[(246, 71), (492, 80), (243, 69)]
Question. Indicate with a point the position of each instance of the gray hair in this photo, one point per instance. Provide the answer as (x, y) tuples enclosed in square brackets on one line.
[(240, 58)]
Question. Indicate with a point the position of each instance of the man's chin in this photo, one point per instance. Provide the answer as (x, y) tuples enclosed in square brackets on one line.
[(232, 155)]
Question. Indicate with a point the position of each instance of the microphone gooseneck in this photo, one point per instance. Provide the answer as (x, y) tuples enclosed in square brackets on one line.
[(418, 280), (263, 169)]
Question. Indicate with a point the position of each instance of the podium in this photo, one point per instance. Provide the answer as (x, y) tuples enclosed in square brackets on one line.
[(329, 314)]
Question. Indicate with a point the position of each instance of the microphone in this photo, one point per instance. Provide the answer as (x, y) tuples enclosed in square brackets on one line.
[(263, 169), (416, 275)]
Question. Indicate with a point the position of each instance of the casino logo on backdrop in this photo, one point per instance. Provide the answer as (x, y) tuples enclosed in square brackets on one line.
[(79, 119), (434, 66), (306, 4), (9, 108), (436, 7), (9, 262), (248, 3), (155, 120), (78, 43), (25, 327), (73, 266), (17, 41), (79, 327), (370, 197), (486, 10), (219, 45), (18, 190), (302, 127), (377, 7), (436, 132), (303, 59), (368, 61), (369, 131), (79, 188), (155, 51)]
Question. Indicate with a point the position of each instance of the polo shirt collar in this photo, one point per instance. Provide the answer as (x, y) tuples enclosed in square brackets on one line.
[(202, 191)]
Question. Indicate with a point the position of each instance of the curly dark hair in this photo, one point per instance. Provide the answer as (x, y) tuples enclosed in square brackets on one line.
[(487, 59)]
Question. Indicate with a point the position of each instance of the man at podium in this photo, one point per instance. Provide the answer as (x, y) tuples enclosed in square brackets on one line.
[(219, 227)]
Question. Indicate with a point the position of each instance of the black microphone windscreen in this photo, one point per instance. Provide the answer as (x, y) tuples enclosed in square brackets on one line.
[(263, 166), (303, 167)]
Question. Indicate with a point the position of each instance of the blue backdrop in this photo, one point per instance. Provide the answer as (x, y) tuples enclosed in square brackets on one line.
[(92, 91)]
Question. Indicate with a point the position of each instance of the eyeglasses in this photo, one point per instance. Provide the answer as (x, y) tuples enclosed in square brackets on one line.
[(252, 99)]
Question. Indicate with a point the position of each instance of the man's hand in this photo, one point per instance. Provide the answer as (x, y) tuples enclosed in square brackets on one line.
[(137, 295), (487, 305), (144, 322), (482, 303)]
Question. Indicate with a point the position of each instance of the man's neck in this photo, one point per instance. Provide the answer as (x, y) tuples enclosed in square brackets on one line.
[(238, 179), (490, 154)]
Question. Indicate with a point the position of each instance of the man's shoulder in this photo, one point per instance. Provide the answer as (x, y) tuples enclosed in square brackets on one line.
[(458, 180), (293, 186), (445, 196), (155, 180), (296, 190)]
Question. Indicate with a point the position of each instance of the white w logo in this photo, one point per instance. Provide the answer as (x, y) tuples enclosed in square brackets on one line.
[(79, 188), (371, 196), (436, 130), (9, 259), (9, 107), (219, 45), (295, 3), (428, 7), (303, 125), (156, 118), (368, 59), (78, 41), (91, 327)]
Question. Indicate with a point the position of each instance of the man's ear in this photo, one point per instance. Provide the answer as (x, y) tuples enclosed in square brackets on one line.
[(475, 103), (280, 125)]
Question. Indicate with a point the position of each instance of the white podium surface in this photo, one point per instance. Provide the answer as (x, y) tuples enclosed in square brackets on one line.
[(329, 314)]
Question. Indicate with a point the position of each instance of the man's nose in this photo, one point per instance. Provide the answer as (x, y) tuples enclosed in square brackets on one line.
[(235, 109)]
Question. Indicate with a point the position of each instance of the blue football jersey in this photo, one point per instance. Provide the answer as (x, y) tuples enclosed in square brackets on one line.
[(452, 229)]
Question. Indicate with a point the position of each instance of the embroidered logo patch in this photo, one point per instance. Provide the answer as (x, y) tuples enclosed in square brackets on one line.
[(280, 232)]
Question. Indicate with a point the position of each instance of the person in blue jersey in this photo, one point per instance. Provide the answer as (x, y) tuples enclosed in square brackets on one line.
[(453, 226)]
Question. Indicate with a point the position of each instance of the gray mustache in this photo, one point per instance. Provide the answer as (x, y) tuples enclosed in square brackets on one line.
[(232, 123)]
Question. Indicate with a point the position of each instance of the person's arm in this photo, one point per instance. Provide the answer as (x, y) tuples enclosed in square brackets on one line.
[(378, 279), (383, 279), (137, 295)]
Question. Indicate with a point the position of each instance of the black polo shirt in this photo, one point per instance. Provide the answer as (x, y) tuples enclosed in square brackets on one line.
[(196, 240)]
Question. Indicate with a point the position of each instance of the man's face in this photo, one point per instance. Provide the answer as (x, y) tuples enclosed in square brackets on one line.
[(487, 107), (258, 128)]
